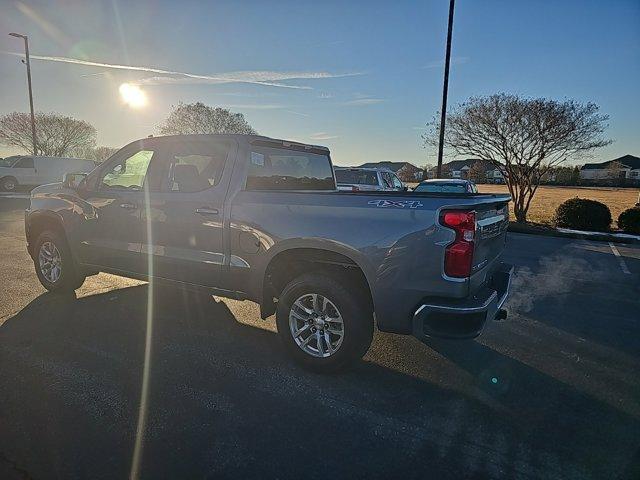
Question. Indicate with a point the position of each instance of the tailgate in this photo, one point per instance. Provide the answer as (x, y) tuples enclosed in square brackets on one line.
[(492, 220)]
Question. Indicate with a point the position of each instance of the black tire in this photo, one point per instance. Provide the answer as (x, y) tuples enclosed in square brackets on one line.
[(8, 184), (353, 307), (70, 277)]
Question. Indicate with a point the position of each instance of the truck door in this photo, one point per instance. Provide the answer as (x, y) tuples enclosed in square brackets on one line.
[(186, 217), (49, 170), (25, 171), (112, 234)]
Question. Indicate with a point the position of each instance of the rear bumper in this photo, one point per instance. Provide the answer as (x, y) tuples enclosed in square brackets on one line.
[(464, 318)]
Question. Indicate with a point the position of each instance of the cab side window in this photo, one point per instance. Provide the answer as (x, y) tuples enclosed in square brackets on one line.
[(128, 173), (196, 166), (386, 180), (24, 162), (396, 182)]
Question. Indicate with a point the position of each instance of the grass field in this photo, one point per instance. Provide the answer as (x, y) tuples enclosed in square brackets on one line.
[(547, 199)]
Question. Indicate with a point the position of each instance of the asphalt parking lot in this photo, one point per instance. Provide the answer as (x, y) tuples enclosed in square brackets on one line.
[(553, 392)]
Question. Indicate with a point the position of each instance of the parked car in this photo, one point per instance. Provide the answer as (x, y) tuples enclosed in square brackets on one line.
[(31, 171), (368, 179), (255, 218), (446, 185)]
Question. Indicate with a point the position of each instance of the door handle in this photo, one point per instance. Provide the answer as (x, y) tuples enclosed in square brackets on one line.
[(128, 206), (207, 211)]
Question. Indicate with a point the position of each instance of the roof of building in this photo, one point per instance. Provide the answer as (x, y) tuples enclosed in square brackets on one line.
[(455, 165), (393, 166), (630, 161)]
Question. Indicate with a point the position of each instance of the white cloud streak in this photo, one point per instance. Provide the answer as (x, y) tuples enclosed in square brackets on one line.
[(361, 102), (300, 114), (322, 136), (171, 77), (253, 106)]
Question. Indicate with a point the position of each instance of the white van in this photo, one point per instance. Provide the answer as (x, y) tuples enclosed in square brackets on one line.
[(32, 171)]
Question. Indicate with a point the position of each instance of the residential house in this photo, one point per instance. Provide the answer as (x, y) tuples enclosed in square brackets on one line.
[(625, 169), (407, 172), (462, 169)]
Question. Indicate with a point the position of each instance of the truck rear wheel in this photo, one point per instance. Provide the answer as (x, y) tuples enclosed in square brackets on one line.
[(54, 264), (323, 325)]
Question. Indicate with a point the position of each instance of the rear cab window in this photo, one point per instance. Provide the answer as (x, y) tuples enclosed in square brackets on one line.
[(274, 168)]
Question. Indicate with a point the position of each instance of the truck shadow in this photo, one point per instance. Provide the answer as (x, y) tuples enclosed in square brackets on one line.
[(225, 401)]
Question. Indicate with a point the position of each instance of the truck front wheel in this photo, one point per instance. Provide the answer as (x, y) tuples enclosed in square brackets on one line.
[(323, 325), (54, 264), (8, 184)]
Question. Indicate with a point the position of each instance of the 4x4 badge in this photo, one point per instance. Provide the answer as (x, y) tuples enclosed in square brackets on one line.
[(396, 203)]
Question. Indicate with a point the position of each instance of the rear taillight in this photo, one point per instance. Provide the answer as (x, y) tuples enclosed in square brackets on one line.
[(458, 256)]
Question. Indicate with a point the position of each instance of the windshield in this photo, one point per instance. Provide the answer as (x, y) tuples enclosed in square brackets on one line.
[(357, 177), (441, 188)]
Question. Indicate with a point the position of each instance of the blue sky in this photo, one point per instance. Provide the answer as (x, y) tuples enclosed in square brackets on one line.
[(370, 72)]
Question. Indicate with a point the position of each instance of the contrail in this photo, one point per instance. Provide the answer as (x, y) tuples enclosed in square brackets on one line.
[(265, 78)]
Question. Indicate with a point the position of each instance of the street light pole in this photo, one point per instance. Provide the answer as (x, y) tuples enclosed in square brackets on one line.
[(28, 63), (445, 88)]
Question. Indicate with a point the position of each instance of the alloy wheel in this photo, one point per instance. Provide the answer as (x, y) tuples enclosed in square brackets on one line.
[(50, 262), (316, 325)]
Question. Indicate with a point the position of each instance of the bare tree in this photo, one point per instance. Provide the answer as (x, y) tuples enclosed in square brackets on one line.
[(98, 154), (56, 135), (445, 171), (188, 118), (478, 172), (615, 172), (522, 137)]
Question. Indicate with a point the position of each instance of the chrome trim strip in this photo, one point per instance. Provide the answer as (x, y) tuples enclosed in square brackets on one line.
[(491, 220), (506, 292), (459, 309), (486, 304)]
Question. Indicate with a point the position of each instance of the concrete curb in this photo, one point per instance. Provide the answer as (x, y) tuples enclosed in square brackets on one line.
[(552, 232)]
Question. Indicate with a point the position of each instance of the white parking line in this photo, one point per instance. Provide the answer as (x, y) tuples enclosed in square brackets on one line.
[(623, 265), (22, 196)]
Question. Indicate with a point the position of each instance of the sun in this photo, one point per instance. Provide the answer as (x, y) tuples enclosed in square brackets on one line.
[(133, 95)]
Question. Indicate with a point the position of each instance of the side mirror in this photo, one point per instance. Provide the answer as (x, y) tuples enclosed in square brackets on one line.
[(405, 188), (73, 180)]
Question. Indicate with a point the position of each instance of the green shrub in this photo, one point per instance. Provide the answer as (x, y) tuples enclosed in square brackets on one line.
[(583, 214), (629, 220)]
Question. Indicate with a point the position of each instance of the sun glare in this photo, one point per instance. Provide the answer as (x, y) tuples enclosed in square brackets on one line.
[(133, 95)]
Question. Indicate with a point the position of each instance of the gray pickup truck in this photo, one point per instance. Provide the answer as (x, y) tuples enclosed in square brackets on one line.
[(255, 218)]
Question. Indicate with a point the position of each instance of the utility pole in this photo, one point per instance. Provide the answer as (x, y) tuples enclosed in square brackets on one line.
[(28, 63), (445, 88)]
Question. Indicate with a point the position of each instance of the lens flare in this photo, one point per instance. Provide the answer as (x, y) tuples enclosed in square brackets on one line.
[(133, 95)]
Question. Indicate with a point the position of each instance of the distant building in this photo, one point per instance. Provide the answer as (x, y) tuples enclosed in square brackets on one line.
[(407, 172), (462, 169), (626, 168)]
